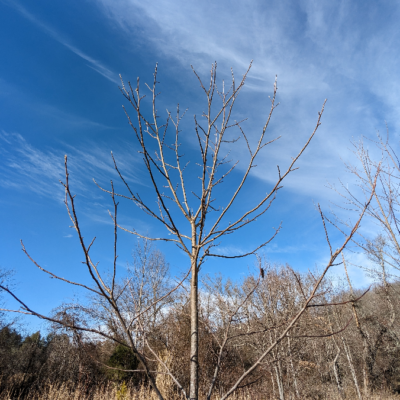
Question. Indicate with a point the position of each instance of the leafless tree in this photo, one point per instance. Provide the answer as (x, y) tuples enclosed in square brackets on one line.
[(5, 280), (199, 239), (191, 220), (382, 249), (383, 212)]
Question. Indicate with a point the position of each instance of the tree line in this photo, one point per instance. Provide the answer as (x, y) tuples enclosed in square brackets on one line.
[(351, 350)]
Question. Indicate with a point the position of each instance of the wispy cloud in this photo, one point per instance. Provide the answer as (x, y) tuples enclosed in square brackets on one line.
[(229, 251), (357, 264), (96, 65), (33, 170), (341, 51), (24, 166)]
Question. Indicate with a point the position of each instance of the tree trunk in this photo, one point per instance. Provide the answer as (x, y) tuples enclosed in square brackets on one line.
[(352, 369), (278, 372), (337, 374), (273, 384), (194, 334), (293, 370)]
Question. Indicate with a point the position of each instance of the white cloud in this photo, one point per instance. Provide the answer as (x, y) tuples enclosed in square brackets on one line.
[(31, 169), (317, 49), (357, 263), (24, 166)]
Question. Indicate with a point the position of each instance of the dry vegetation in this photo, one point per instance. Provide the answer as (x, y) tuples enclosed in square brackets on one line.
[(324, 357), (115, 392)]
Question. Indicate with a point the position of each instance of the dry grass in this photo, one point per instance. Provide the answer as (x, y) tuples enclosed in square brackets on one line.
[(122, 392)]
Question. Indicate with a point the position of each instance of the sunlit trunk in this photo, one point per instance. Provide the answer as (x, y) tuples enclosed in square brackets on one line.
[(194, 323)]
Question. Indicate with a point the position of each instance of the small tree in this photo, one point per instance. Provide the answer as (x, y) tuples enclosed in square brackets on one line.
[(5, 280), (382, 249), (198, 239), (122, 359), (204, 223)]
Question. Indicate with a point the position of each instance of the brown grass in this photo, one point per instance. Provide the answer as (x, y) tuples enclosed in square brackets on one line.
[(122, 392)]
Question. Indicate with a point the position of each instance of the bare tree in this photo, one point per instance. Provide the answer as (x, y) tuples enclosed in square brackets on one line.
[(5, 280), (190, 217), (198, 239), (382, 249)]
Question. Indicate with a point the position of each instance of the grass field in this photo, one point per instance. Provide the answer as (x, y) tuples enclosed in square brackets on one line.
[(123, 392)]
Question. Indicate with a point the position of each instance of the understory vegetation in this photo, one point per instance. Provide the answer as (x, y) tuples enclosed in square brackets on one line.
[(346, 351)]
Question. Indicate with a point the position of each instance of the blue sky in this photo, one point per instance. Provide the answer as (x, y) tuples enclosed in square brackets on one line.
[(59, 95)]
